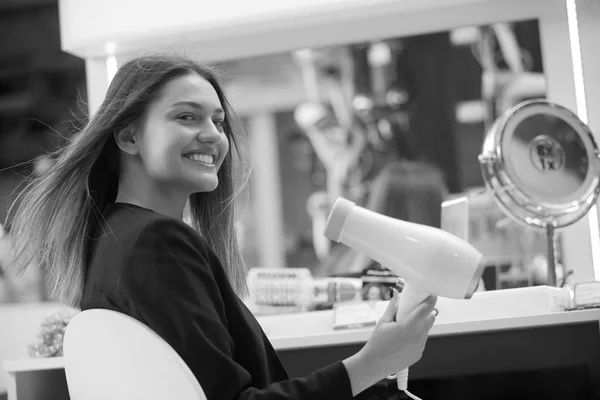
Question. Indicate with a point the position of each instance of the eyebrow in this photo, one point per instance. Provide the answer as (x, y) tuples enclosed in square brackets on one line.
[(193, 104)]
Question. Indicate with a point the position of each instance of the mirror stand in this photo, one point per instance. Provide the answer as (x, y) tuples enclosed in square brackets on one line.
[(551, 251)]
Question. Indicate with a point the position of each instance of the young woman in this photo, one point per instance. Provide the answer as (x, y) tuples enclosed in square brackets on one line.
[(106, 223)]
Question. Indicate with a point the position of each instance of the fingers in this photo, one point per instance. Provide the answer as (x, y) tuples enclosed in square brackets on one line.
[(429, 322), (430, 301), (424, 309), (426, 327)]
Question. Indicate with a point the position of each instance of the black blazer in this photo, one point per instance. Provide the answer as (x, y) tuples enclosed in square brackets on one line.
[(160, 271)]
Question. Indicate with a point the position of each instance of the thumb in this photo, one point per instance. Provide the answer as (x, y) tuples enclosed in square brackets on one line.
[(389, 315)]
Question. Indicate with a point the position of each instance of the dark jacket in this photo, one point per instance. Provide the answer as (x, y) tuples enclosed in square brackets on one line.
[(161, 272)]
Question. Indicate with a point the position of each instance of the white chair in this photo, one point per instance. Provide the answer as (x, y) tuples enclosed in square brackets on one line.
[(109, 355)]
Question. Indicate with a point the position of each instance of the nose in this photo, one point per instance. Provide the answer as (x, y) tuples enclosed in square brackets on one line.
[(210, 134)]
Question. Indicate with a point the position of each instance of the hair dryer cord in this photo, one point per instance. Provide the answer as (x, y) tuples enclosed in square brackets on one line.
[(412, 396)]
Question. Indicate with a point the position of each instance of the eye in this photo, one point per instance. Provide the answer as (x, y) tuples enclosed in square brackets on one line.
[(186, 117), (220, 124)]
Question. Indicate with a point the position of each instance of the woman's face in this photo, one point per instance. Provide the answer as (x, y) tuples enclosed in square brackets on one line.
[(182, 142)]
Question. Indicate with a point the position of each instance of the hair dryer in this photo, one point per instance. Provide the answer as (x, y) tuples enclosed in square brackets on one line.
[(430, 260)]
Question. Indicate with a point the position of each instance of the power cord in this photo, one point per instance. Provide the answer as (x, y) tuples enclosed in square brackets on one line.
[(412, 396), (402, 378)]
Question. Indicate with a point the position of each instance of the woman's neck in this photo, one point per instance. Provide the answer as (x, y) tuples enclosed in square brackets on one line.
[(155, 200)]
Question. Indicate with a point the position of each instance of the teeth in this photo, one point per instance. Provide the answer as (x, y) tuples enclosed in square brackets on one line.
[(201, 158)]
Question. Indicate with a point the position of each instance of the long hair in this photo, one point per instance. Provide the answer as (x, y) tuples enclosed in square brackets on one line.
[(407, 190), (53, 218)]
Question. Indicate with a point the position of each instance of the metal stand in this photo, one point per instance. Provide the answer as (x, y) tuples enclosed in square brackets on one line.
[(551, 255)]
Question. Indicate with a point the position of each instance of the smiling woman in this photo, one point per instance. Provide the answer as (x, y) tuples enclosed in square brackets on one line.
[(132, 148), (106, 223), (177, 148)]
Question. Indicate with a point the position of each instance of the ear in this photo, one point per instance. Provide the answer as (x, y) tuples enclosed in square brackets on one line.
[(127, 140)]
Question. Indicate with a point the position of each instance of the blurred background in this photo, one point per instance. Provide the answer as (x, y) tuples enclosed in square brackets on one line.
[(394, 125), (40, 88)]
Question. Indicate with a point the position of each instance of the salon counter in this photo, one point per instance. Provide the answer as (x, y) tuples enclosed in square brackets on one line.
[(313, 330), (551, 355), (490, 311), (524, 349)]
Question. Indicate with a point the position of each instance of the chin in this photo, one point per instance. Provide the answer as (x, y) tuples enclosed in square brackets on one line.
[(206, 186)]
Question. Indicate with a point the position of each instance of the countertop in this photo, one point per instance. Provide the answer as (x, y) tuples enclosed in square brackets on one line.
[(314, 329)]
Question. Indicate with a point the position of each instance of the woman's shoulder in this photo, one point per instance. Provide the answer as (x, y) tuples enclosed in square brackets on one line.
[(158, 244), (128, 221), (131, 242)]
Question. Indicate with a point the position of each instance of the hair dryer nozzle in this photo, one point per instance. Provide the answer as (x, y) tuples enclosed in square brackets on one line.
[(432, 260), (337, 219)]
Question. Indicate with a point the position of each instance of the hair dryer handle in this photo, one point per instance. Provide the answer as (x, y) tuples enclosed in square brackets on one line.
[(409, 299)]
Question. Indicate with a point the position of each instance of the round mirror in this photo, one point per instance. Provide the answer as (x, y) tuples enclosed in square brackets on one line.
[(541, 164)]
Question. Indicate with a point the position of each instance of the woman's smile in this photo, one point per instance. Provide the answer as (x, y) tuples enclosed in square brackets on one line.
[(201, 159)]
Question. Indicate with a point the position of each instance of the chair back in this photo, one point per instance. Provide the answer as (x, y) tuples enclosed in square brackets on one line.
[(109, 355)]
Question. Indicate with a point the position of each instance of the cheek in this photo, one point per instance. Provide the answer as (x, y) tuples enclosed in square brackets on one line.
[(161, 154), (223, 148)]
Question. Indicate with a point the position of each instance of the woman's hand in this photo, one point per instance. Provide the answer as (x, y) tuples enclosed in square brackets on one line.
[(393, 346), (396, 345)]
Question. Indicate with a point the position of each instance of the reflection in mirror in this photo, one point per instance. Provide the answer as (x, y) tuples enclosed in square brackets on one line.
[(341, 115), (344, 114)]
